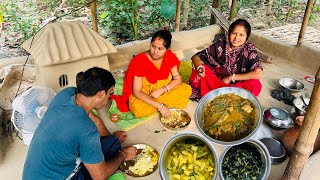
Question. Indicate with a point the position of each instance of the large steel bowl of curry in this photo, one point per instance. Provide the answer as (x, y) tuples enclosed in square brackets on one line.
[(228, 116)]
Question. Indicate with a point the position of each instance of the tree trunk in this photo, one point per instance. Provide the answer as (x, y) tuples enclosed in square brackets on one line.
[(269, 7), (93, 7), (178, 9), (233, 10), (185, 14), (305, 22), (215, 4), (307, 136)]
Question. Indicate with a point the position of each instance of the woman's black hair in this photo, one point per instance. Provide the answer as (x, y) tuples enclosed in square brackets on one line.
[(243, 23), (165, 35), (95, 79)]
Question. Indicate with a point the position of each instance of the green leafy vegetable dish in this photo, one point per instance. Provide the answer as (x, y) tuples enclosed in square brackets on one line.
[(191, 160), (242, 162)]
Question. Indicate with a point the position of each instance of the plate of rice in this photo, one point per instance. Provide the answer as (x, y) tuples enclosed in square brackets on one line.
[(144, 164), (177, 120)]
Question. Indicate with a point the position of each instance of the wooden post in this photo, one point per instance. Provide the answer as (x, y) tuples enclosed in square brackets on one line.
[(215, 4), (269, 7), (307, 136), (233, 10), (305, 22), (93, 7), (185, 14), (177, 24)]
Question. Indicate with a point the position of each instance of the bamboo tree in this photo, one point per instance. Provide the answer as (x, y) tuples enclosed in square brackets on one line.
[(94, 20), (307, 136), (185, 14), (177, 23), (233, 10), (269, 7), (305, 22), (215, 4)]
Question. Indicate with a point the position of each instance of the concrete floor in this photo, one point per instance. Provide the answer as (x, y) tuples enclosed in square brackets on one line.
[(13, 153)]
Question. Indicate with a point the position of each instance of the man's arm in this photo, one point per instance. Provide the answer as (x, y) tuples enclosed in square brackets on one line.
[(104, 169), (100, 125)]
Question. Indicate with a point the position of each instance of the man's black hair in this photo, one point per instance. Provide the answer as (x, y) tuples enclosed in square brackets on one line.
[(95, 79)]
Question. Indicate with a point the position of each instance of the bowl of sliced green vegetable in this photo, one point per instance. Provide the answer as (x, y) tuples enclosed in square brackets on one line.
[(188, 155), (249, 160)]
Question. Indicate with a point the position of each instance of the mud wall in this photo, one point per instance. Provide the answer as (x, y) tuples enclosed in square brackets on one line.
[(306, 56)]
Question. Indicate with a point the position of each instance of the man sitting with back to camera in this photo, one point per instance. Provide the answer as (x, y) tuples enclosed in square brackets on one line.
[(69, 130)]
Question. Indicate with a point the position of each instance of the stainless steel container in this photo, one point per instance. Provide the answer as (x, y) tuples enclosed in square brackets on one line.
[(278, 117), (238, 91), (298, 106), (265, 158), (276, 150), (165, 152), (291, 84)]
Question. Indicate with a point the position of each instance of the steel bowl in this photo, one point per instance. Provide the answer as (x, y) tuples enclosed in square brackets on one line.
[(298, 106), (165, 152), (238, 91), (278, 117), (264, 155), (291, 84), (276, 150)]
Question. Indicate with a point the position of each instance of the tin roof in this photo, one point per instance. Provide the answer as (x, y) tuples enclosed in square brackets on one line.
[(65, 42)]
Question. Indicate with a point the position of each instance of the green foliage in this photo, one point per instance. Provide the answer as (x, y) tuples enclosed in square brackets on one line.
[(199, 13), (129, 19), (168, 8), (21, 21)]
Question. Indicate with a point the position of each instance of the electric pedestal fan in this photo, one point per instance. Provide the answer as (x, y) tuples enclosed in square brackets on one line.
[(28, 110)]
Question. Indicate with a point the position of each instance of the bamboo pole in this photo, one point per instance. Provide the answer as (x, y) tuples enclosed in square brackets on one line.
[(93, 7), (305, 22), (270, 2), (215, 4), (178, 9), (233, 9), (307, 136), (185, 14)]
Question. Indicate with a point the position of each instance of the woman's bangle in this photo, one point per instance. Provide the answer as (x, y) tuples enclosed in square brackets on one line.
[(232, 78), (164, 89), (124, 154), (168, 90), (160, 107), (199, 67)]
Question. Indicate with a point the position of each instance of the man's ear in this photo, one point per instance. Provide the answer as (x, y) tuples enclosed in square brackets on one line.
[(101, 94)]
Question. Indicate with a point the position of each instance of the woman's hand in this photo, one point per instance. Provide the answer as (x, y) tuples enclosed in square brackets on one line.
[(165, 111), (201, 71), (157, 93), (227, 79)]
